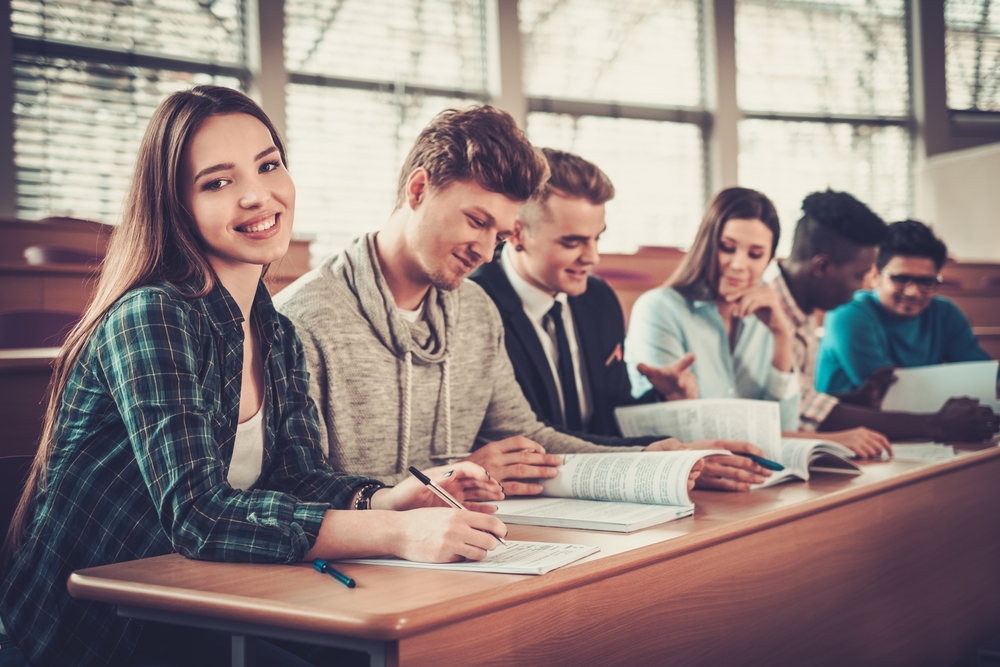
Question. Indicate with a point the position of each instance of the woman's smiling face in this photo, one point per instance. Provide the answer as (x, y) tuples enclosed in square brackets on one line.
[(238, 191), (744, 252)]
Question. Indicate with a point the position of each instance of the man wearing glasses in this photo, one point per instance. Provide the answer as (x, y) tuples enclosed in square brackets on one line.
[(901, 322)]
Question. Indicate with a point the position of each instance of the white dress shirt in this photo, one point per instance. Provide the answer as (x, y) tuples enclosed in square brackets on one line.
[(536, 304)]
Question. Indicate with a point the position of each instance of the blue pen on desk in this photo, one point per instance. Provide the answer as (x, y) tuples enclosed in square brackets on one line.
[(761, 461), (321, 565)]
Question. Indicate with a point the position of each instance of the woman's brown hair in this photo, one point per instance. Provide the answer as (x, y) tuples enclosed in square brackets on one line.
[(156, 241), (697, 276)]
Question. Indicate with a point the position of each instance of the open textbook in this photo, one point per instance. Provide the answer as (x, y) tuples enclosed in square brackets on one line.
[(927, 388), (618, 492), (515, 558), (757, 422)]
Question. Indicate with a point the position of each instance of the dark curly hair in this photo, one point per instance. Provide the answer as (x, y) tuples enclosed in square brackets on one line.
[(837, 225), (910, 238)]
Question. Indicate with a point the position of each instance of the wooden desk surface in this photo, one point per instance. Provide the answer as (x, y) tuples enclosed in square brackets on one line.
[(802, 543)]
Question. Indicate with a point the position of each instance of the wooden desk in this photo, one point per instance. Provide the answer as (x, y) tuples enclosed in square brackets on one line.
[(24, 377), (898, 566)]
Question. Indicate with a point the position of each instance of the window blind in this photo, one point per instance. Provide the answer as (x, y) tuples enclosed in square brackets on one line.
[(211, 31), (972, 54), (656, 168), (360, 72), (827, 57), (424, 42), (346, 148), (788, 160), (636, 51), (87, 76), (803, 68)]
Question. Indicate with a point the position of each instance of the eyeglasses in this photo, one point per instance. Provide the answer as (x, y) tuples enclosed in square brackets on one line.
[(923, 283)]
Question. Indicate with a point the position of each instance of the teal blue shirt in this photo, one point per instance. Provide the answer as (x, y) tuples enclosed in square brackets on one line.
[(862, 336), (665, 325)]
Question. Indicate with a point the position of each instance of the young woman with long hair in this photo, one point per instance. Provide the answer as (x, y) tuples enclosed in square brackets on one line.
[(715, 306), (178, 415)]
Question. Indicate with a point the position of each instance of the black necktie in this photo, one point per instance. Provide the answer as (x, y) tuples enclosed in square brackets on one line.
[(567, 378)]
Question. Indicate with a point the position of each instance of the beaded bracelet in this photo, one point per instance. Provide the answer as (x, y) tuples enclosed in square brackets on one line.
[(364, 497)]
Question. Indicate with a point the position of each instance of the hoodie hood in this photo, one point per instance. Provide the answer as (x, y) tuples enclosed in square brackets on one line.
[(427, 339)]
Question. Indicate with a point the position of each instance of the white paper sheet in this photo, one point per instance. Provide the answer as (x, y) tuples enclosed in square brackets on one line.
[(516, 558), (758, 422), (927, 388), (923, 451)]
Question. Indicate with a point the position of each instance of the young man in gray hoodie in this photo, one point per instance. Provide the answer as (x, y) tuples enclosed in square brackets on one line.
[(407, 358)]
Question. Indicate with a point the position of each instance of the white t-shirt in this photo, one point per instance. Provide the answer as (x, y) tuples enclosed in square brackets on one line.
[(248, 452)]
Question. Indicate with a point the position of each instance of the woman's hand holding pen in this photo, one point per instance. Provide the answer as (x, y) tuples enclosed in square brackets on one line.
[(518, 463), (439, 535), (466, 481)]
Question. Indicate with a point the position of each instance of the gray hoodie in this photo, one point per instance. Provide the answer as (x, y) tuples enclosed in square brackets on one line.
[(391, 393)]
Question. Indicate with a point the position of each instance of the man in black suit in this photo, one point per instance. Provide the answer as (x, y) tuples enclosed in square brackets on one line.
[(564, 328)]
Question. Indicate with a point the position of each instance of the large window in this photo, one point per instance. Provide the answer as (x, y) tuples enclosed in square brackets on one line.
[(609, 80), (87, 77), (824, 88), (365, 77), (972, 51)]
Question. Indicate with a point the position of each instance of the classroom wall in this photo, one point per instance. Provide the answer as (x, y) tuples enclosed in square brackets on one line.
[(959, 194)]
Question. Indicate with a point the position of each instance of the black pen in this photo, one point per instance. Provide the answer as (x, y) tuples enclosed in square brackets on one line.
[(445, 496), (321, 565), (761, 461)]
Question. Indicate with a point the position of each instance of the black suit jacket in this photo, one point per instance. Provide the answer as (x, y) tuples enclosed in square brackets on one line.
[(600, 328)]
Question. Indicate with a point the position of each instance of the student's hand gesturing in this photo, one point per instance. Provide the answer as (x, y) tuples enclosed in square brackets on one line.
[(674, 381), (518, 464)]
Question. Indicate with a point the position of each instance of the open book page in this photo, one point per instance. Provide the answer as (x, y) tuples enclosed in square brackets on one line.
[(758, 422), (516, 558), (923, 451), (800, 455), (587, 514), (927, 388), (656, 478)]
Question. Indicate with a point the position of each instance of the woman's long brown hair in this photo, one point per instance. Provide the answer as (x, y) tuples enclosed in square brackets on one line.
[(697, 276), (156, 241)]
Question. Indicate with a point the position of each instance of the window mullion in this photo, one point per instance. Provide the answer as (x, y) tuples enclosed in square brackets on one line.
[(720, 86)]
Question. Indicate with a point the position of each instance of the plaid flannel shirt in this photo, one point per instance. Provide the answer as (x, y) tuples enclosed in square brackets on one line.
[(815, 405), (142, 447)]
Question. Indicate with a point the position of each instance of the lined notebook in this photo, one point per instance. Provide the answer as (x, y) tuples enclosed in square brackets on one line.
[(516, 558)]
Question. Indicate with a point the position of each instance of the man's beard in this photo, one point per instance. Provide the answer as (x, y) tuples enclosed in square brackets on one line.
[(446, 282)]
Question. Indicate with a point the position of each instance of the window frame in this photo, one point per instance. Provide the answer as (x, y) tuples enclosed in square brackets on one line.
[(933, 128)]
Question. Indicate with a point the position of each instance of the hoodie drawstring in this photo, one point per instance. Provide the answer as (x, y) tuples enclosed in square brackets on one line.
[(404, 451), (446, 369)]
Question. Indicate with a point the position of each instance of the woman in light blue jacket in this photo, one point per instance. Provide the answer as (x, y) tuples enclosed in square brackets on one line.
[(716, 307)]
